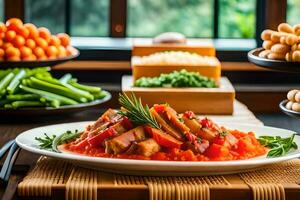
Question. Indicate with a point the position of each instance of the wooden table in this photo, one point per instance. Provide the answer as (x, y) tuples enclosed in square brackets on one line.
[(11, 127)]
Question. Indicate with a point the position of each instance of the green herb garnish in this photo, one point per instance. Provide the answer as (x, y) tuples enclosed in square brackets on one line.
[(51, 142), (279, 146), (181, 78), (135, 111), (223, 133), (46, 141)]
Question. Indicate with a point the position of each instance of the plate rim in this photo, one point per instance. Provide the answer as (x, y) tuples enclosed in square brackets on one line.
[(99, 160)]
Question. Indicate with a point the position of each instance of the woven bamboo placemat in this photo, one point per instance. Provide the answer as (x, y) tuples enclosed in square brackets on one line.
[(56, 179)]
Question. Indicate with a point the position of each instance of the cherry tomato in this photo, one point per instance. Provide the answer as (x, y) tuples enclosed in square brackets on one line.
[(44, 33), (2, 52), (64, 39), (14, 21), (31, 57), (23, 32), (1, 42), (206, 123), (159, 108), (12, 52), (10, 35), (41, 43), (33, 31), (62, 52), (39, 52), (30, 43), (54, 41), (25, 51), (2, 28), (6, 45), (52, 51), (18, 41), (14, 58)]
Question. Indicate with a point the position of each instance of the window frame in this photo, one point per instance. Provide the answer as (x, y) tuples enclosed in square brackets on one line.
[(118, 19)]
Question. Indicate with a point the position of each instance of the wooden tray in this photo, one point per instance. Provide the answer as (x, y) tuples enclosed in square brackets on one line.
[(212, 71), (200, 100), (199, 46)]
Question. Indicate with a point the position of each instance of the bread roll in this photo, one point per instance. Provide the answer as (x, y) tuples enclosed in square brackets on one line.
[(291, 95), (297, 97), (264, 53), (280, 48), (276, 56), (267, 44), (296, 56), (286, 28), (291, 39), (297, 29), (275, 37), (296, 107), (289, 105), (266, 34), (289, 56)]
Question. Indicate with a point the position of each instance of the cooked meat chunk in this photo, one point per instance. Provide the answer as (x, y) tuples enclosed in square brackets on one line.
[(165, 126), (120, 143), (104, 119), (207, 134), (148, 147), (172, 116), (192, 123)]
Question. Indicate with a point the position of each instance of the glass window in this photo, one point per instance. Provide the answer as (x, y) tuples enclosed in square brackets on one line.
[(47, 13), (237, 18), (1, 10), (89, 17), (147, 18), (293, 14)]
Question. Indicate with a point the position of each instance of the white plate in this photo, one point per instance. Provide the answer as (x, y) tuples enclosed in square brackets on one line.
[(141, 167)]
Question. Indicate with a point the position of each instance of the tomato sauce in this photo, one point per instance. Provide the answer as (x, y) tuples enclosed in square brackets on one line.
[(247, 146)]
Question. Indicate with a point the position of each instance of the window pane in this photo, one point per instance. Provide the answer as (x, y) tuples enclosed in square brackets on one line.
[(237, 18), (147, 18), (293, 12), (89, 17), (1, 10), (47, 13)]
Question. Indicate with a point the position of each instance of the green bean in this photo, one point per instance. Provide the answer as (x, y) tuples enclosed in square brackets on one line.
[(8, 106), (5, 81), (100, 95), (11, 88), (19, 104), (50, 96), (22, 97), (47, 79), (57, 89), (65, 78), (87, 88)]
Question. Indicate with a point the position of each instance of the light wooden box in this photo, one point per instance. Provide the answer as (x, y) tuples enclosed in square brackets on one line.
[(215, 101), (201, 47)]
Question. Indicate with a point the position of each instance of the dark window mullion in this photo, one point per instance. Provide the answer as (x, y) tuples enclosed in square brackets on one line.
[(118, 18), (14, 8), (68, 16), (216, 19)]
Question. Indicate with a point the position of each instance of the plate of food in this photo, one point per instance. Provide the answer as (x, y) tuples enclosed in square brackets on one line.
[(25, 45), (291, 106), (25, 91), (280, 49), (139, 140)]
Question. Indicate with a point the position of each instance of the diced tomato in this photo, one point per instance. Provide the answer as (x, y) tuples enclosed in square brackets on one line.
[(190, 115), (81, 145), (162, 138), (160, 156), (98, 139), (126, 123), (245, 145), (206, 123), (219, 140), (217, 151), (187, 155), (159, 108)]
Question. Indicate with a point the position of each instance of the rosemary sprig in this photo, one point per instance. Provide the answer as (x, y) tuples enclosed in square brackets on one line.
[(279, 146), (46, 141), (135, 111), (51, 142)]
